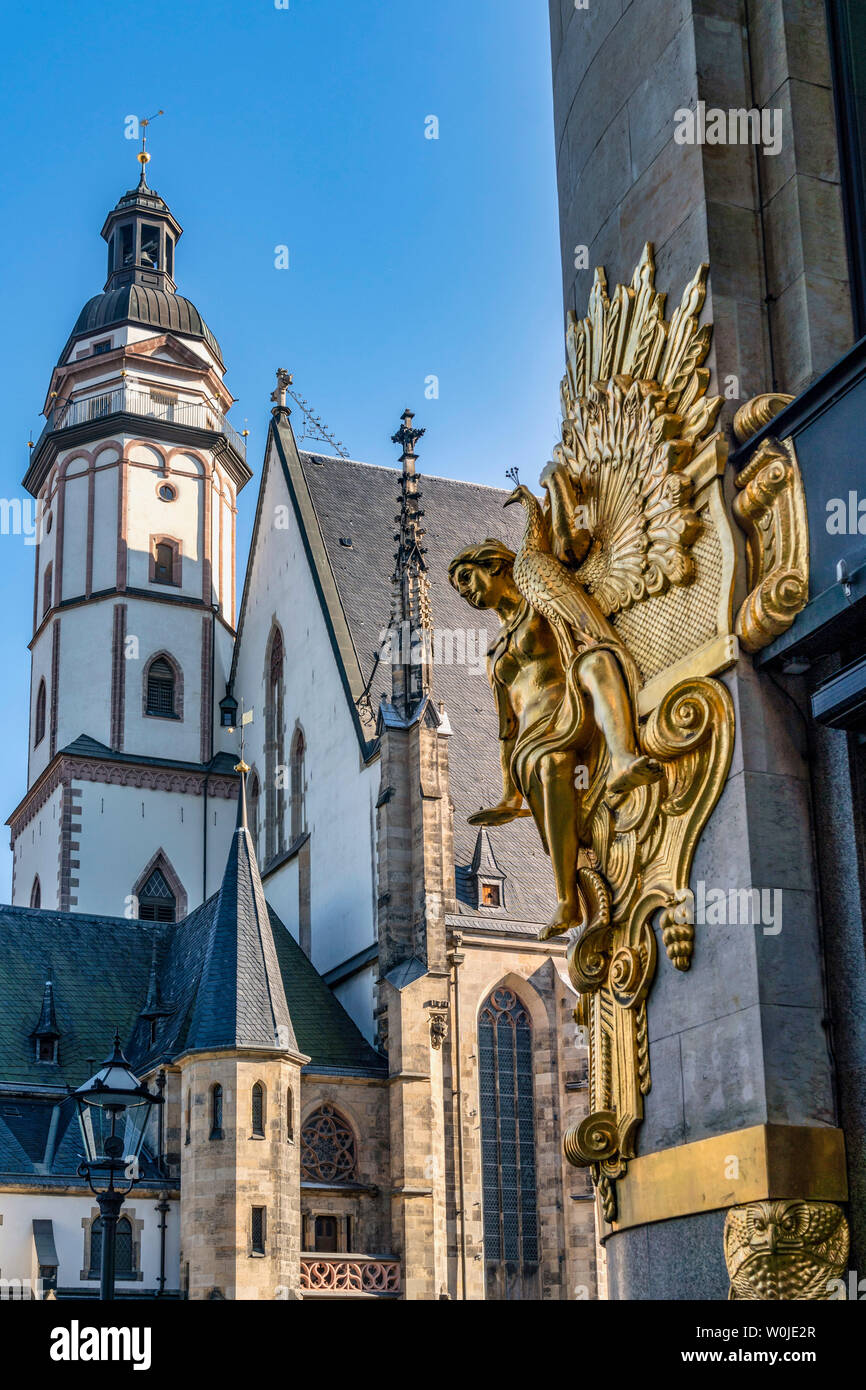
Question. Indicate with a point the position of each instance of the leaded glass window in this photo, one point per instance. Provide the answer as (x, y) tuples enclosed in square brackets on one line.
[(327, 1147), (508, 1147), (156, 902), (258, 1109), (124, 1249)]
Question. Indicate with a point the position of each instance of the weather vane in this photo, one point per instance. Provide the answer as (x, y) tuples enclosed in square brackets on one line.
[(143, 157), (245, 719)]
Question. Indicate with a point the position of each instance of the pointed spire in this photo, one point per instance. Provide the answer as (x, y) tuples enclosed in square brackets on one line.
[(411, 622), (154, 1006), (241, 1001), (47, 1025)]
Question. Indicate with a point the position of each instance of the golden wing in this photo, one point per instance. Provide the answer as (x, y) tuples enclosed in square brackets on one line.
[(634, 411)]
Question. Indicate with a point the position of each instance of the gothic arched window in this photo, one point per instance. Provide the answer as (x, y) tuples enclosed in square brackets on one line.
[(258, 1110), (299, 749), (124, 1249), (39, 725), (275, 757), (508, 1147), (160, 689), (328, 1151), (47, 581), (36, 893)]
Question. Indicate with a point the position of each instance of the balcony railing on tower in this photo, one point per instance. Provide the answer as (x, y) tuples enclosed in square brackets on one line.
[(152, 405)]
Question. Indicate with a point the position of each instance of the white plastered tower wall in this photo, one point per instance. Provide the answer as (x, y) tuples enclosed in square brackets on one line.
[(341, 791), (135, 455)]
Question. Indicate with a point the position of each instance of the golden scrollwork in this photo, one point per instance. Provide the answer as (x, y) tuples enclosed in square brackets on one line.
[(770, 507), (615, 614), (757, 413), (785, 1249)]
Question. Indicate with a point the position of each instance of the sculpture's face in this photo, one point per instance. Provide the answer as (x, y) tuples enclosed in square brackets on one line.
[(478, 585)]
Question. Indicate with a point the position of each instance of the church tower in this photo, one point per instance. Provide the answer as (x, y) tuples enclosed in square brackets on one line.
[(136, 474)]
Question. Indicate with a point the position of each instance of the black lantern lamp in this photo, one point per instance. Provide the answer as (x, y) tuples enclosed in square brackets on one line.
[(113, 1110)]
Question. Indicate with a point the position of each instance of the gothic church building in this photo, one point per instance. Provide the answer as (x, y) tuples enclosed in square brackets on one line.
[(367, 1056)]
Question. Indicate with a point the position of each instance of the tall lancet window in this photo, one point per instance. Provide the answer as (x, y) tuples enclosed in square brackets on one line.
[(275, 747), (39, 721), (299, 749), (508, 1148), (253, 799)]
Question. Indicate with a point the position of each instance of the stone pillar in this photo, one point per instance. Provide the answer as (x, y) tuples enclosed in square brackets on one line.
[(770, 225), (742, 1103), (223, 1179)]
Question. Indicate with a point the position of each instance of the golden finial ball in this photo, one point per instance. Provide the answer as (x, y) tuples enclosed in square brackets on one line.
[(143, 157)]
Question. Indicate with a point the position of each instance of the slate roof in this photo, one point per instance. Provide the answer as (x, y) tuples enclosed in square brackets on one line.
[(228, 975), (357, 502)]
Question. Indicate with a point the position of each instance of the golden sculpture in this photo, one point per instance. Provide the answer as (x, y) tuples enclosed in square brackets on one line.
[(785, 1249), (612, 735), (770, 507)]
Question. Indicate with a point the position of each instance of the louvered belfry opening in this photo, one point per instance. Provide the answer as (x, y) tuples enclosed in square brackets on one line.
[(160, 688), (508, 1148), (156, 902)]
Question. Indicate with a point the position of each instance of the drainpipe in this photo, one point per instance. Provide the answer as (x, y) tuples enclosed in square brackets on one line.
[(163, 1208), (456, 958)]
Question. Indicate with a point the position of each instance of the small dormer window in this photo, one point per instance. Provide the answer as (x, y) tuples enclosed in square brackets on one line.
[(103, 346), (491, 895), (46, 1049)]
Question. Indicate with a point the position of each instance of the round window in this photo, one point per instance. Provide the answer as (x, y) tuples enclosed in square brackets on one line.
[(167, 492)]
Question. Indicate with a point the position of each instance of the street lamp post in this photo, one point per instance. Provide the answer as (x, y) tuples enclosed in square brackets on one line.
[(113, 1111)]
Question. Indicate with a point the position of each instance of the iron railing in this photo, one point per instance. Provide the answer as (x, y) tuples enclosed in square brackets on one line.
[(123, 399)]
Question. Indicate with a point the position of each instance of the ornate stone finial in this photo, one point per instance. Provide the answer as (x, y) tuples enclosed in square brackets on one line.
[(284, 381), (412, 668), (407, 438)]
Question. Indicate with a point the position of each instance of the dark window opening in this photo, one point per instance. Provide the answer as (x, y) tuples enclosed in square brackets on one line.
[(160, 688), (150, 246), (325, 1235), (169, 255), (39, 731), (36, 893), (152, 1031), (290, 1115), (216, 1112), (299, 749), (104, 346), (258, 1231), (156, 902), (163, 563), (47, 582), (258, 1109), (490, 895), (125, 246), (46, 1049)]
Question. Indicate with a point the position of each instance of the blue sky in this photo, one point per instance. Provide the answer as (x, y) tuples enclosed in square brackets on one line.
[(302, 127)]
